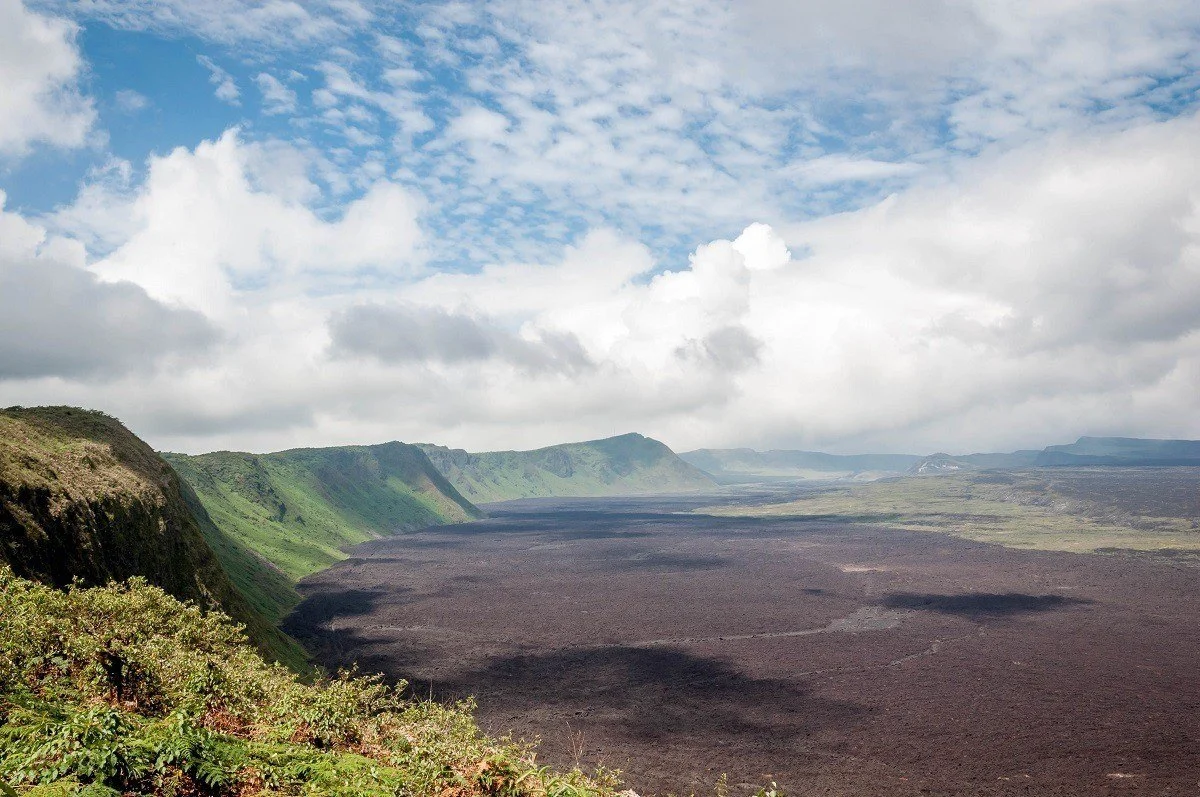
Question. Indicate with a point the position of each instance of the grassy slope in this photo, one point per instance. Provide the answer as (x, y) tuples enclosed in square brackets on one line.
[(628, 464), (299, 509), (1019, 509), (81, 497), (123, 690)]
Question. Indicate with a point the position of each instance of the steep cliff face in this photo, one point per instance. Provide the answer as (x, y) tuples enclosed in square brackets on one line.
[(300, 509), (623, 465), (83, 499)]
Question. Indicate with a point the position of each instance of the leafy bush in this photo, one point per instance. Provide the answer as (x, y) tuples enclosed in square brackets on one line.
[(125, 688)]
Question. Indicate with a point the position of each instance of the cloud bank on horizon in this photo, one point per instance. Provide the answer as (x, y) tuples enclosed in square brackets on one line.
[(942, 225)]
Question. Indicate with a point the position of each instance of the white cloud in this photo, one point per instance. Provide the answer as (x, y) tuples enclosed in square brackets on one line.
[(1010, 70), (680, 121), (277, 97), (227, 88), (348, 100), (57, 321), (833, 169), (411, 334), (1021, 298), (1040, 286), (40, 67), (479, 124), (1027, 297), (229, 219), (665, 118), (99, 217), (279, 23), (131, 101)]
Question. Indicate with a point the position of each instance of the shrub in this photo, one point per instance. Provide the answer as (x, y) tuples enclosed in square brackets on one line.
[(124, 687)]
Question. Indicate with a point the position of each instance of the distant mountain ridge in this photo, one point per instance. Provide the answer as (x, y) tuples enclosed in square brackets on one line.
[(622, 465), (741, 465), (744, 465), (1122, 451)]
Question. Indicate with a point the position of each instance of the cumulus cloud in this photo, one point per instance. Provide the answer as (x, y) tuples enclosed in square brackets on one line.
[(1042, 289), (40, 67), (229, 218), (729, 349), (58, 320), (1012, 260), (1023, 297)]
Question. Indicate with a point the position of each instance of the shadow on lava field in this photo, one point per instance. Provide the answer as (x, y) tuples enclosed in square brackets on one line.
[(981, 605), (831, 657)]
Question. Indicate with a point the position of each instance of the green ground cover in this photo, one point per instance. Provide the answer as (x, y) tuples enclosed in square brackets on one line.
[(1046, 509), (124, 690)]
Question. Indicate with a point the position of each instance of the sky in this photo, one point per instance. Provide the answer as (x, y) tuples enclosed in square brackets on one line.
[(939, 225)]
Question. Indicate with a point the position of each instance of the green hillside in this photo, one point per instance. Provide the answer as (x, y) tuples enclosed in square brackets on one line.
[(624, 465), (82, 498), (1082, 510), (299, 509)]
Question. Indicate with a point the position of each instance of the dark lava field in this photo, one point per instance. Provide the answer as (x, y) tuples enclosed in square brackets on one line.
[(834, 659)]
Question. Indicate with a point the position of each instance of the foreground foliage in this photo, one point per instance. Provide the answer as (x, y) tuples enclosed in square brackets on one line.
[(124, 689)]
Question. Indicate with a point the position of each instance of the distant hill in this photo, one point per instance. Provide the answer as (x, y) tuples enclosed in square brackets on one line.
[(937, 465), (1122, 451), (941, 463), (628, 464), (300, 509), (82, 498), (1013, 459), (744, 465)]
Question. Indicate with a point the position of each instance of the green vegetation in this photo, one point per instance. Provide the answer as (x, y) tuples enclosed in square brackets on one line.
[(1040, 509), (628, 464), (123, 689), (82, 498), (299, 510)]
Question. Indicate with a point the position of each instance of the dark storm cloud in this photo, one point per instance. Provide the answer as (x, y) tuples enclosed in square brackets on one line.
[(411, 334), (59, 320)]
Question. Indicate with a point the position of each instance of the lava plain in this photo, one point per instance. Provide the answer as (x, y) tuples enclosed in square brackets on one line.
[(832, 658)]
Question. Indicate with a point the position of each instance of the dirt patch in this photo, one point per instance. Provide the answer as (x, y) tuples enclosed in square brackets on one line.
[(678, 647)]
